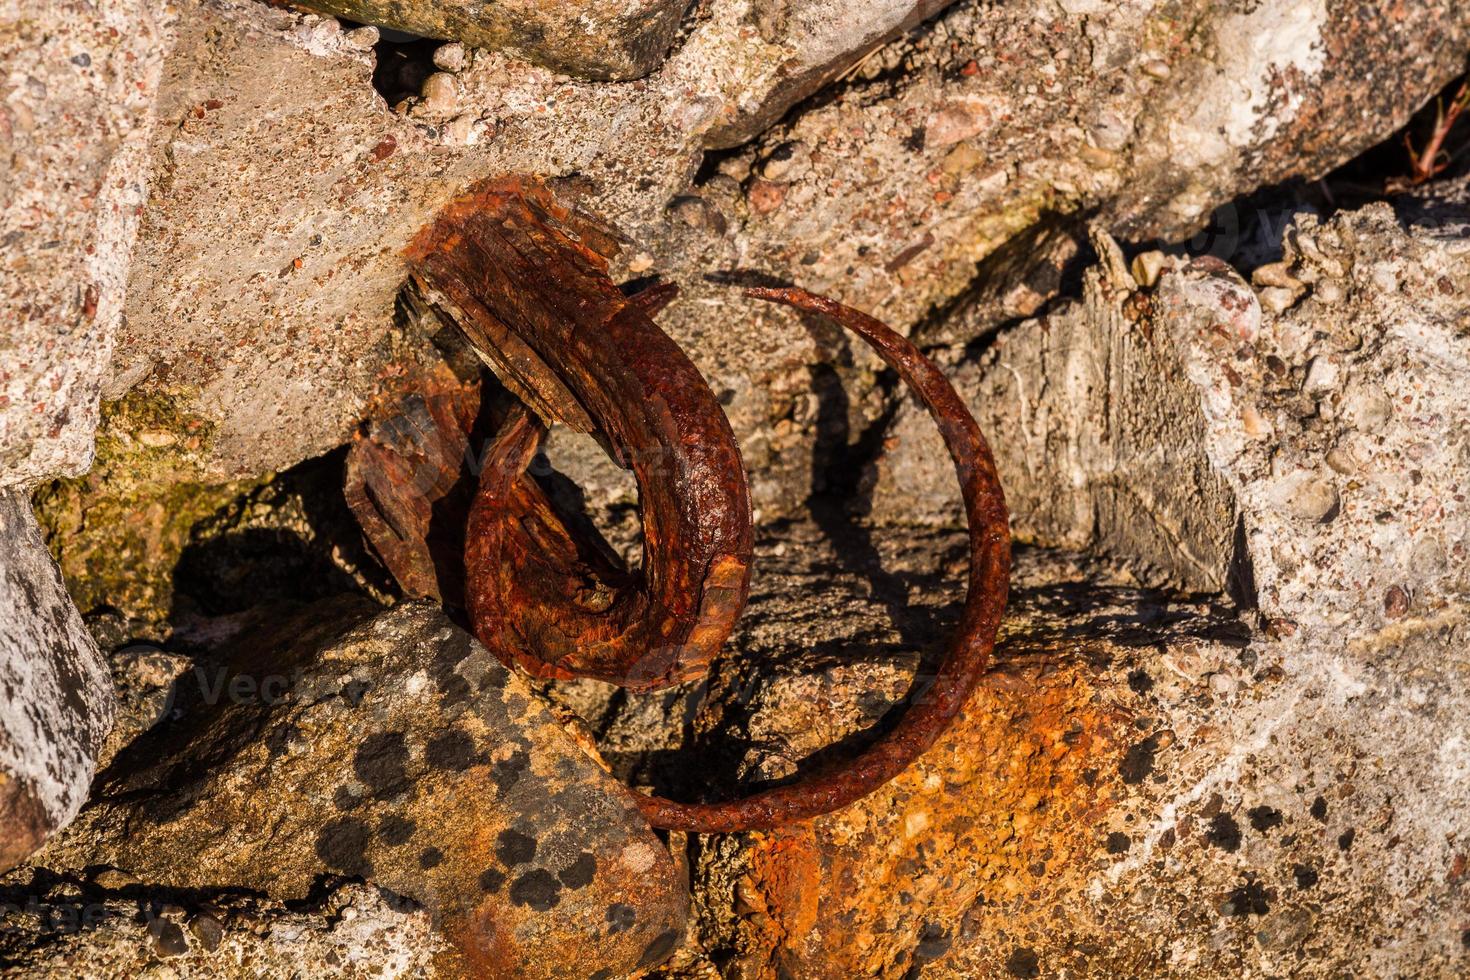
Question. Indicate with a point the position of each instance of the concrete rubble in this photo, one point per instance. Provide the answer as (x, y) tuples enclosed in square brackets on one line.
[(1225, 732), (282, 188), (1294, 441), (78, 98)]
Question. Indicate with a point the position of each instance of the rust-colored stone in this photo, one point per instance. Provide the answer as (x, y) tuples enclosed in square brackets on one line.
[(1001, 813), (400, 471)]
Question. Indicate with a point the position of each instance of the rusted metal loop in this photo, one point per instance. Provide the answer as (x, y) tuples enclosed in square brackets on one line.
[(925, 718), (534, 297)]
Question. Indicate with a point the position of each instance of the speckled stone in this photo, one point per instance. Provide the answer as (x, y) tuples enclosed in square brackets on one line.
[(58, 929), (76, 110), (56, 697), (394, 748), (1310, 458)]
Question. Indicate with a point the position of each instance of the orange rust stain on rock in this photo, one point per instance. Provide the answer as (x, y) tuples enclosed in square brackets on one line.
[(1007, 802)]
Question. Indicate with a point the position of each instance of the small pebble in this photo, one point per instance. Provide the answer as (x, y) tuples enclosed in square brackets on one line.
[(361, 38), (736, 167), (462, 130), (1342, 461), (961, 160), (787, 162), (1223, 684), (1395, 602), (1276, 299), (1309, 498), (1323, 376), (113, 879), (697, 213), (440, 94), (765, 196), (1366, 407), (450, 57), (207, 929), (1327, 291), (1276, 274), (1147, 267), (168, 938)]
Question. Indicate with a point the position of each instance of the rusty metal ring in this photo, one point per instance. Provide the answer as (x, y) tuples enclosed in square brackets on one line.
[(968, 653), (528, 282)]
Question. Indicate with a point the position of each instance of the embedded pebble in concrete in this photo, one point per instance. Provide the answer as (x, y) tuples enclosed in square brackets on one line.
[(394, 748)]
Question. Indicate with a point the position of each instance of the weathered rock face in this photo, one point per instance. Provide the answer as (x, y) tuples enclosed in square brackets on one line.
[(110, 927), (1152, 420), (580, 37), (76, 107), (56, 698), (1342, 427), (266, 301), (397, 749), (1100, 436), (815, 41), (997, 814)]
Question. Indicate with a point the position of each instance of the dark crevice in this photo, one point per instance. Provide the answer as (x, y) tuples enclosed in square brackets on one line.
[(403, 62), (1047, 257)]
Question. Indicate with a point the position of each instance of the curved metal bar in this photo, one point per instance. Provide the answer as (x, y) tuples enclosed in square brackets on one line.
[(968, 653), (535, 297)]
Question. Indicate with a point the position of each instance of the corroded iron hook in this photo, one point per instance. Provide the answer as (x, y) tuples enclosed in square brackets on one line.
[(527, 280), (534, 297)]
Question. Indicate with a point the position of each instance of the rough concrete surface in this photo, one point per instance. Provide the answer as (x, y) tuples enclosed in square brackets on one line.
[(284, 187), (110, 927), (78, 84), (1309, 454), (1143, 786), (1225, 731), (580, 37)]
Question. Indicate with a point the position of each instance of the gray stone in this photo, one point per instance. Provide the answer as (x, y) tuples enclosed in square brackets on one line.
[(56, 698)]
